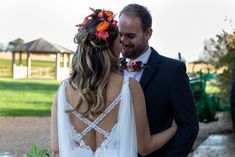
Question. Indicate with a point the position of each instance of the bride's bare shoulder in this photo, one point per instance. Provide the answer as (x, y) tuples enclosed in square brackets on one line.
[(116, 78), (134, 84)]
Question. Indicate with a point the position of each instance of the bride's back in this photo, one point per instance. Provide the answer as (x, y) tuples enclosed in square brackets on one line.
[(94, 138)]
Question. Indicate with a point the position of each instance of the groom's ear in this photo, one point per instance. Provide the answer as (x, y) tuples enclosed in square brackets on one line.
[(148, 33)]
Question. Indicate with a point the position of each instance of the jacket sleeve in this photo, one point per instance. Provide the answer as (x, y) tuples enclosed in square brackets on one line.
[(184, 110)]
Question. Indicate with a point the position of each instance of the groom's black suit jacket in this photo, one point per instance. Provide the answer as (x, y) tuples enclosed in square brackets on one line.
[(168, 95)]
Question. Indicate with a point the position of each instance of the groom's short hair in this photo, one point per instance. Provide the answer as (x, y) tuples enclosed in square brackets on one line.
[(136, 10)]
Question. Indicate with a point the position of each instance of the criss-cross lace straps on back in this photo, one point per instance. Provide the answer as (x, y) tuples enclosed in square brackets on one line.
[(93, 125)]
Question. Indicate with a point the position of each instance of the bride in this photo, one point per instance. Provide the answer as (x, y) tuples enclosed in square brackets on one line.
[(97, 112)]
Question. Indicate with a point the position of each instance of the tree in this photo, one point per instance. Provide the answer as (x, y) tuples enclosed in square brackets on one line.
[(16, 42), (220, 51), (12, 44), (1, 47)]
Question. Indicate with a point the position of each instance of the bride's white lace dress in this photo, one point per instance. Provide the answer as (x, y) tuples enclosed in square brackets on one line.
[(119, 142)]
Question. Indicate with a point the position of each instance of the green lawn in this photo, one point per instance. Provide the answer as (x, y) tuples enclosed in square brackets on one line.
[(27, 97)]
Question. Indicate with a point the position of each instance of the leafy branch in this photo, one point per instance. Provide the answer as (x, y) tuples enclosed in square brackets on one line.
[(36, 152)]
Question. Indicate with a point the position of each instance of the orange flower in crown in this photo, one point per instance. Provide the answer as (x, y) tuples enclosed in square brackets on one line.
[(108, 13), (102, 26), (106, 27)]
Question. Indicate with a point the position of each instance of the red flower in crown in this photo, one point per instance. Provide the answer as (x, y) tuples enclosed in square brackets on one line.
[(102, 35), (85, 21), (114, 23), (110, 18)]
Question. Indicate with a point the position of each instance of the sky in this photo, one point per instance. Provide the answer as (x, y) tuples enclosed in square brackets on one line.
[(178, 25)]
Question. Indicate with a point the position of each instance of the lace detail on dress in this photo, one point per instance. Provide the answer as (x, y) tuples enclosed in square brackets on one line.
[(109, 143), (93, 125)]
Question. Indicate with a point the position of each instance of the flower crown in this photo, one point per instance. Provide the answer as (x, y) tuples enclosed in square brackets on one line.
[(106, 28)]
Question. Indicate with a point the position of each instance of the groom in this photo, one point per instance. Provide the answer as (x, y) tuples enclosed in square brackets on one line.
[(164, 82)]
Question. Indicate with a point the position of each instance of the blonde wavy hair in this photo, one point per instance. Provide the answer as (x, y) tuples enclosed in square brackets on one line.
[(91, 67)]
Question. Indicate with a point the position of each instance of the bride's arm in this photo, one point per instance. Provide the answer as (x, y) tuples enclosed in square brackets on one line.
[(54, 130), (147, 143)]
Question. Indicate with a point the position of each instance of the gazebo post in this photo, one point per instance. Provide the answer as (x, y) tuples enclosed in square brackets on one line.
[(20, 59), (64, 55), (13, 64), (70, 60), (28, 64), (57, 65)]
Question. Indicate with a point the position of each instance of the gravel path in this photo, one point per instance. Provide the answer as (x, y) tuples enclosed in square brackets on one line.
[(18, 134)]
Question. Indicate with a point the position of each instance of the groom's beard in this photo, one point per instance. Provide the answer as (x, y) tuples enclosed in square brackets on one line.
[(134, 52)]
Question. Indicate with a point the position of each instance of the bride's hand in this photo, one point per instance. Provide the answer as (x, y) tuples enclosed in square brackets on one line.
[(174, 125)]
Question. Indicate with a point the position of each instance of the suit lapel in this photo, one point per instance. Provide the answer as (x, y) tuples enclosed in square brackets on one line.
[(151, 69)]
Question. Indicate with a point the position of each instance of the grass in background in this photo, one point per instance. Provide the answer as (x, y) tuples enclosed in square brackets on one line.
[(27, 97), (5, 63), (6, 67)]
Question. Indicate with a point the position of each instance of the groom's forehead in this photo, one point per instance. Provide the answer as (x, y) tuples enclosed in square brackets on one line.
[(129, 26)]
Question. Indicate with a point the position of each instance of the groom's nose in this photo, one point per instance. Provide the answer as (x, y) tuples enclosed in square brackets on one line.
[(123, 40)]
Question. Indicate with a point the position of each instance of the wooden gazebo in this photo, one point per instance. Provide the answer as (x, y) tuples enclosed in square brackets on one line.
[(41, 46)]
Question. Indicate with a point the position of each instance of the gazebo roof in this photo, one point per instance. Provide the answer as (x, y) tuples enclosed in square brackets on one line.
[(41, 46)]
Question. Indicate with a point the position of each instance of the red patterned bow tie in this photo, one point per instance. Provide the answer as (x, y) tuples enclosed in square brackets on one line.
[(132, 66)]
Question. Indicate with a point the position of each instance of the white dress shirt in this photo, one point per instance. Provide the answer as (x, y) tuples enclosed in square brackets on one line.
[(137, 74)]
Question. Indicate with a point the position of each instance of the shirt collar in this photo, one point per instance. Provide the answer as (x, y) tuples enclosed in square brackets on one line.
[(144, 57)]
